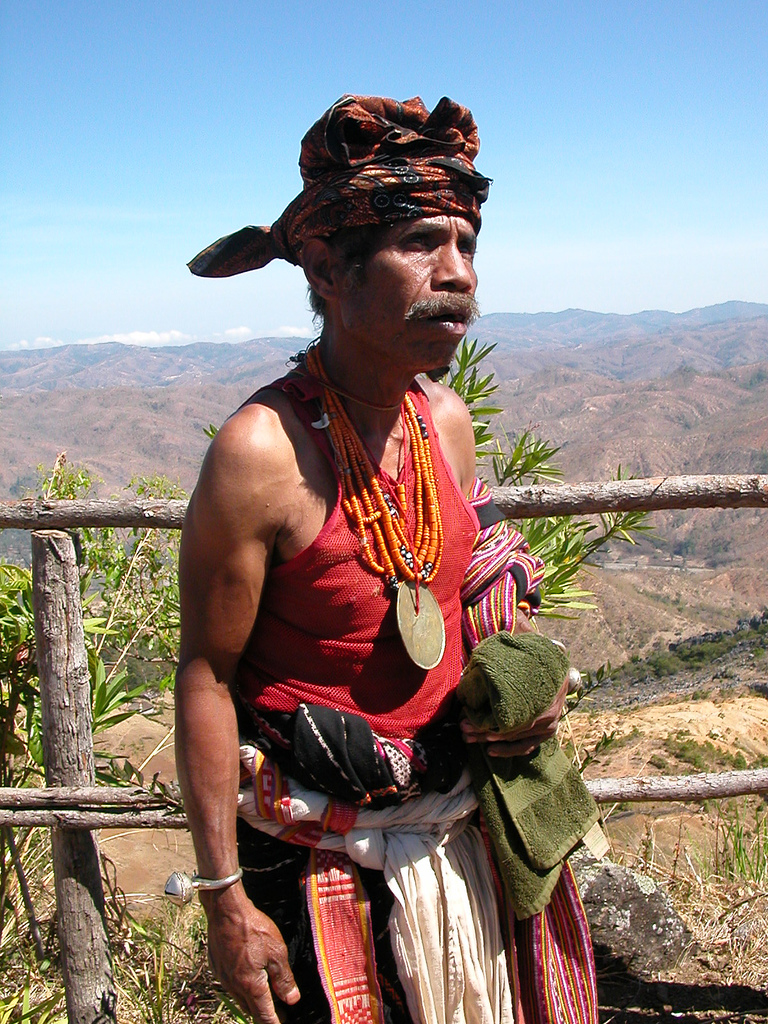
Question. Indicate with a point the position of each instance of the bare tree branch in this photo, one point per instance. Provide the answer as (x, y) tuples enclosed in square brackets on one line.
[(686, 788), (111, 807), (73, 820), (649, 494), (69, 797), (68, 514)]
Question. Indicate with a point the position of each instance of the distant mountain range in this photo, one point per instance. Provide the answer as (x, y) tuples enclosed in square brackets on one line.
[(638, 346), (575, 326), (115, 365), (655, 392)]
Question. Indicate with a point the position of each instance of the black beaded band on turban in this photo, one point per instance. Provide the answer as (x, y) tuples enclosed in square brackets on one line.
[(368, 160)]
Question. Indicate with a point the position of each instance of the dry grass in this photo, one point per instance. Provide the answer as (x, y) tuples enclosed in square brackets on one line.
[(162, 974), (160, 963), (729, 922), (714, 867), (27, 983)]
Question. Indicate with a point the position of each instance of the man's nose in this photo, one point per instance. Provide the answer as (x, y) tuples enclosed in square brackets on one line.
[(454, 271)]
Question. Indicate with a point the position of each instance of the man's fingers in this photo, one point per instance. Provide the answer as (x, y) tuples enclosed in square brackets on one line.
[(282, 980), (524, 739), (517, 749), (542, 728), (562, 694), (260, 1002), (276, 979), (256, 1000), (255, 971), (520, 745)]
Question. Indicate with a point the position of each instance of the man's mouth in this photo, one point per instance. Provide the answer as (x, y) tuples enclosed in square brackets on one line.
[(454, 309), (451, 318)]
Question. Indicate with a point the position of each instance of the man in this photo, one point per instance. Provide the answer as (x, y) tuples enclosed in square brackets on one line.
[(324, 550)]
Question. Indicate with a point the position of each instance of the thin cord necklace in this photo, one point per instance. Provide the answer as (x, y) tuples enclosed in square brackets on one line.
[(329, 386)]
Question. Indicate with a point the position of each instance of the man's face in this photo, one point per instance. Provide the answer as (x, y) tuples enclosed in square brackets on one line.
[(416, 297)]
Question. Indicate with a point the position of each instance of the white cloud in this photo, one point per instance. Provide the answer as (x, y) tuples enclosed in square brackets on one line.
[(294, 332), (41, 342), (152, 339), (141, 338)]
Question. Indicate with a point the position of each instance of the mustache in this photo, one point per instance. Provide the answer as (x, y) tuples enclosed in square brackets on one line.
[(449, 304)]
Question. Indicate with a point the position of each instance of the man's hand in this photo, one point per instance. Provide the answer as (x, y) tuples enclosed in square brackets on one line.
[(523, 740), (247, 953)]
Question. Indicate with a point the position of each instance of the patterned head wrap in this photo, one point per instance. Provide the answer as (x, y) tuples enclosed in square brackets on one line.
[(368, 160)]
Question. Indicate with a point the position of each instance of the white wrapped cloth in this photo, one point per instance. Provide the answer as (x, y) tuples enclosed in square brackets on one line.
[(444, 923)]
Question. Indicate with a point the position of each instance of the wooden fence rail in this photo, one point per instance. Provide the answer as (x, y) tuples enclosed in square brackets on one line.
[(651, 495), (113, 807)]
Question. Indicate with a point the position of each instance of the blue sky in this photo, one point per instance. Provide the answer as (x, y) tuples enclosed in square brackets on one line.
[(628, 143)]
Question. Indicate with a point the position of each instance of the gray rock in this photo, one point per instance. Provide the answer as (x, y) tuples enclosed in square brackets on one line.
[(746, 931), (631, 919)]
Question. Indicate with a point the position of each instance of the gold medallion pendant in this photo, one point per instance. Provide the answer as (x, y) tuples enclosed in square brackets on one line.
[(422, 631)]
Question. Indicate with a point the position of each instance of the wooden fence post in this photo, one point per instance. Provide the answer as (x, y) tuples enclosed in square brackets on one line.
[(68, 756)]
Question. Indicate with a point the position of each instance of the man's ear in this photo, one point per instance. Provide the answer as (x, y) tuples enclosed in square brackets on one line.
[(319, 262)]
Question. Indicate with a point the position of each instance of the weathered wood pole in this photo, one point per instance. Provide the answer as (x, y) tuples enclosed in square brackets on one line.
[(68, 756)]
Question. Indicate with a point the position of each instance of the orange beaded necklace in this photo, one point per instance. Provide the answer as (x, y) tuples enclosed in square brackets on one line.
[(371, 506)]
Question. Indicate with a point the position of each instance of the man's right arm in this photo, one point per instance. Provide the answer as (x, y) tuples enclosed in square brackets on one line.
[(227, 541)]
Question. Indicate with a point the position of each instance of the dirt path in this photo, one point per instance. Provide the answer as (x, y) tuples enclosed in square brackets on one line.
[(731, 724), (144, 858)]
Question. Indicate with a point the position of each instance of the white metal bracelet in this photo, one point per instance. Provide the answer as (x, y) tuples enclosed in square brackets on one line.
[(216, 883), (180, 887)]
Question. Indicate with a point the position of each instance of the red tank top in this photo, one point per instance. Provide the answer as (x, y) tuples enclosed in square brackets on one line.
[(326, 631)]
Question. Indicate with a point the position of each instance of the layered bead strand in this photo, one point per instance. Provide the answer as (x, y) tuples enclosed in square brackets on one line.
[(371, 507)]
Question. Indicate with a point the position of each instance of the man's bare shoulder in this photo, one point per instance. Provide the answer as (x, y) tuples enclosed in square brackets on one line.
[(260, 431), (250, 462), (445, 403), (454, 426)]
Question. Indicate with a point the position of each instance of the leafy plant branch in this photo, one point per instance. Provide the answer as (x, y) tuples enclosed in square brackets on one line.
[(565, 543)]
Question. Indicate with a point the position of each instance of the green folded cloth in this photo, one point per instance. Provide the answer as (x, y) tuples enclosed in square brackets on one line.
[(536, 807)]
